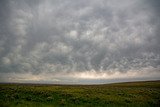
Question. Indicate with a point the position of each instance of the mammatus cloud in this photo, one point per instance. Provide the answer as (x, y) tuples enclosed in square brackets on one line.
[(79, 41)]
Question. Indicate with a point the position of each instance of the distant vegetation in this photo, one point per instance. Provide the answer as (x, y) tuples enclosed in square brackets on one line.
[(135, 94)]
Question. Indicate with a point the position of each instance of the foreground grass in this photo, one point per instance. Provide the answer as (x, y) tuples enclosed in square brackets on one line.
[(136, 94)]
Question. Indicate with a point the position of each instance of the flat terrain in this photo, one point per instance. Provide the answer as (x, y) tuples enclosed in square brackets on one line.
[(131, 94)]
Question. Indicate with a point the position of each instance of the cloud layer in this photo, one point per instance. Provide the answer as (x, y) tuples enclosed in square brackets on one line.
[(68, 40)]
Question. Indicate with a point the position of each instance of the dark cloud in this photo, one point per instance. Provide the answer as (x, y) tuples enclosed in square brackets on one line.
[(96, 37)]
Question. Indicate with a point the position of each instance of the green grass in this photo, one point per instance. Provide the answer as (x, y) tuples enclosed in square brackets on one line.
[(135, 94)]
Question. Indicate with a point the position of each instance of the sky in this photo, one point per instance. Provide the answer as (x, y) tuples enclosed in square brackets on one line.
[(79, 41)]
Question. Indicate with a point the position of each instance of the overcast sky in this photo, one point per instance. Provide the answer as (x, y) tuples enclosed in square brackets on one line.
[(79, 41)]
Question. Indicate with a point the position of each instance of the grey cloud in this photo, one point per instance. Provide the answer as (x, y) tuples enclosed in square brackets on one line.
[(78, 36)]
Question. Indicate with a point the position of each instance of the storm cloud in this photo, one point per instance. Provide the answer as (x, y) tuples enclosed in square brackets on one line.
[(79, 41)]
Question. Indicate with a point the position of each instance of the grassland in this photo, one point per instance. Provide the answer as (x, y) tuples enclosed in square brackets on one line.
[(135, 94)]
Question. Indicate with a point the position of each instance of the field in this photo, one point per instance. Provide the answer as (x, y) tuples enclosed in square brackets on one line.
[(131, 94)]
